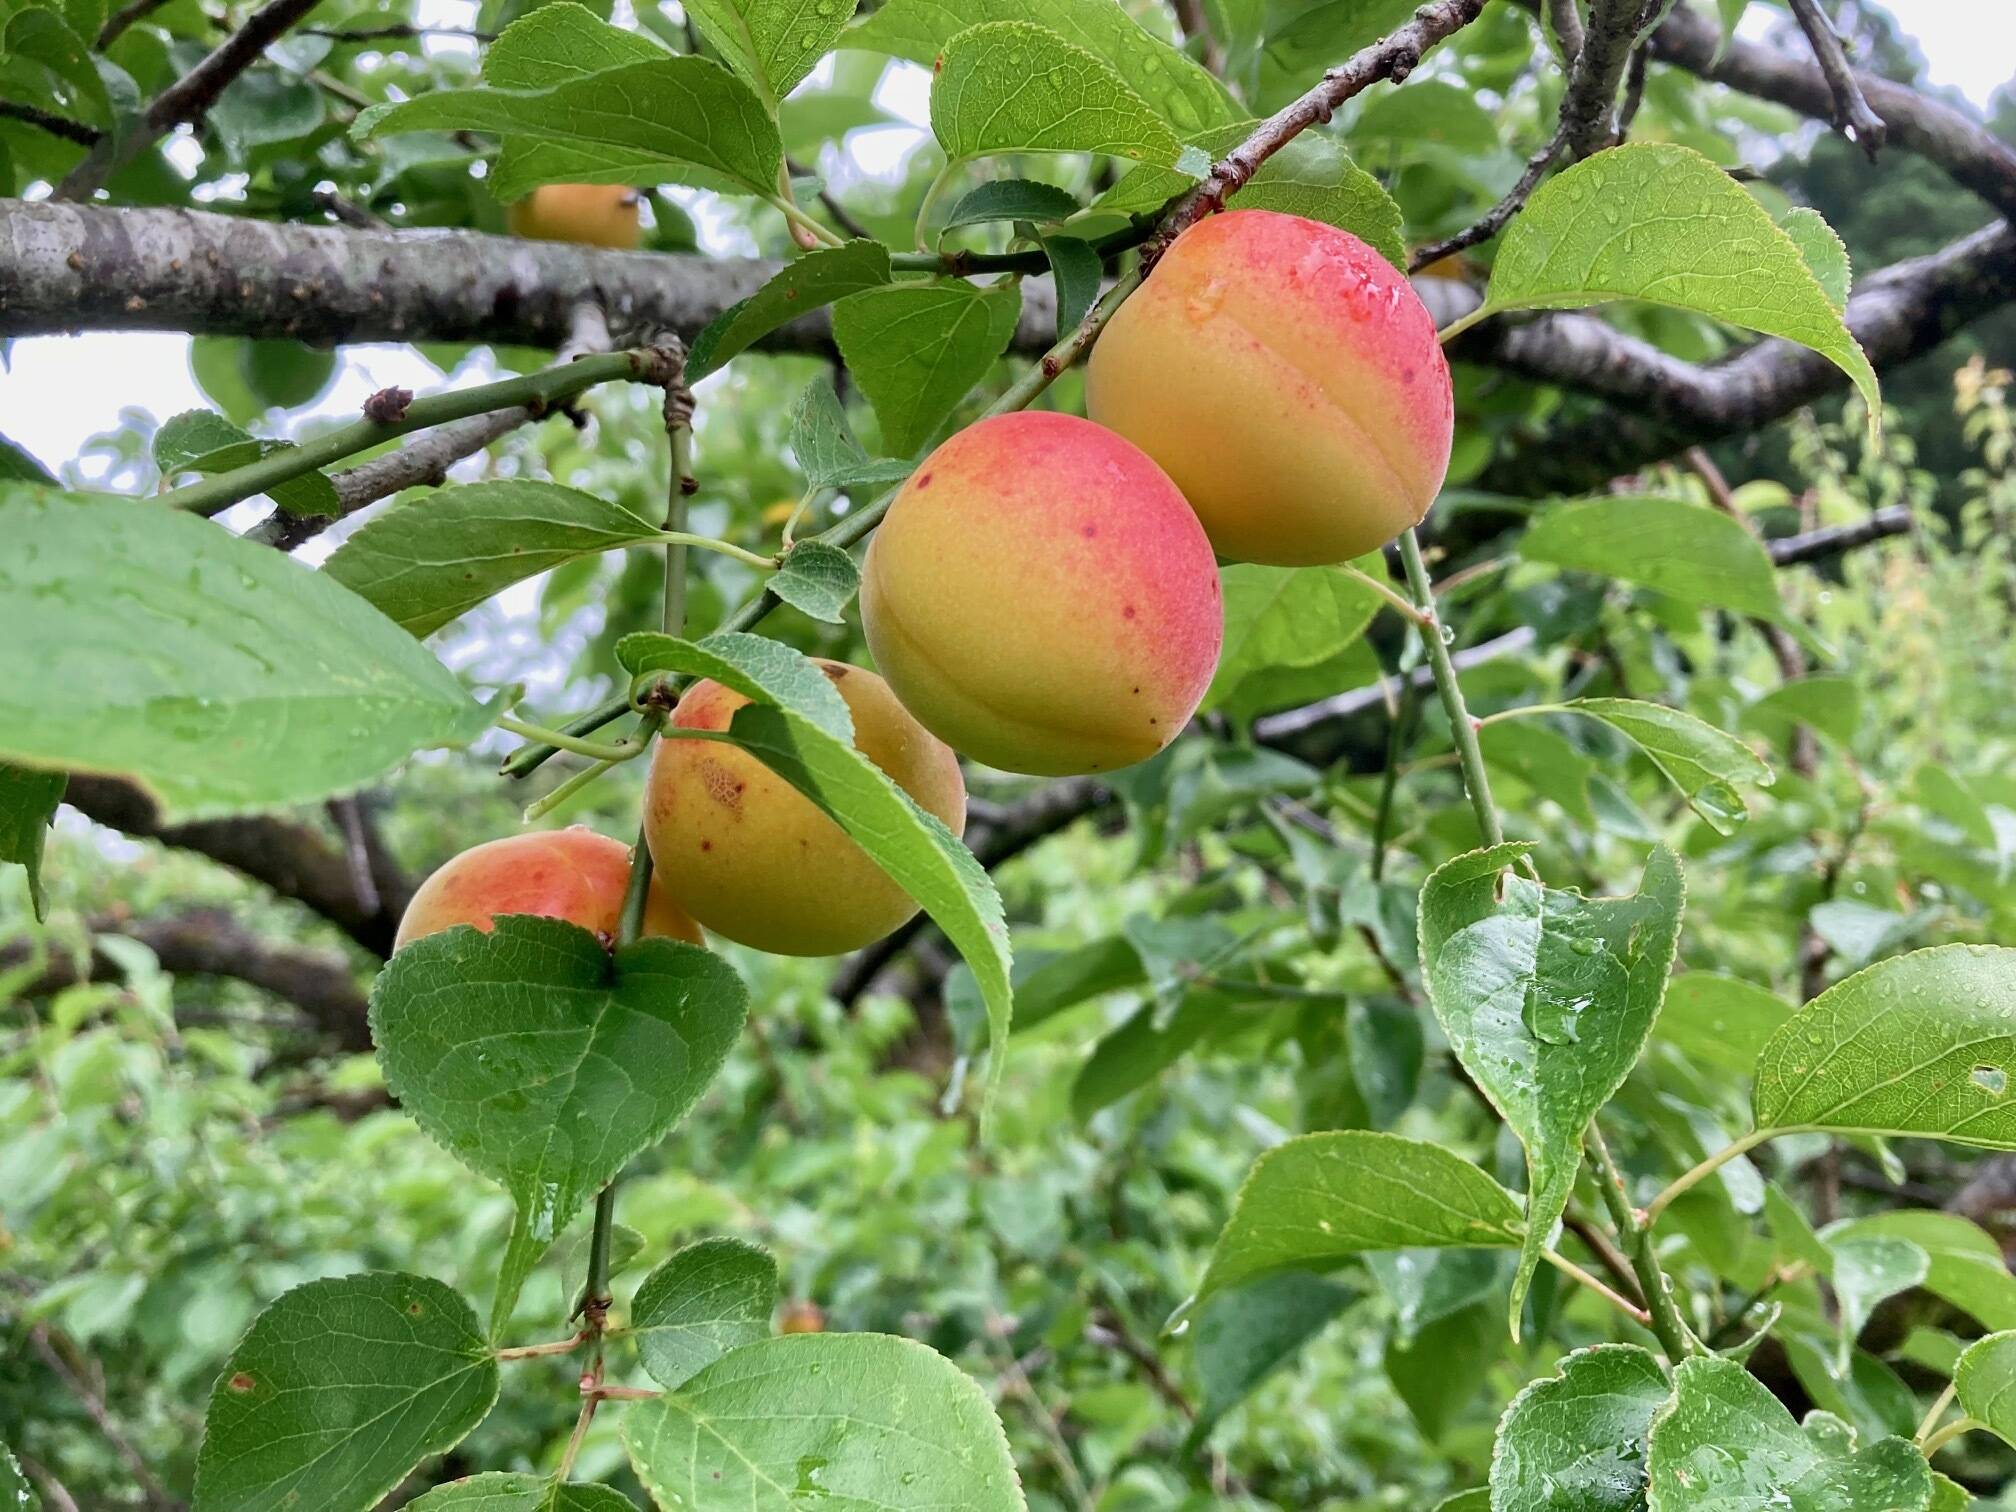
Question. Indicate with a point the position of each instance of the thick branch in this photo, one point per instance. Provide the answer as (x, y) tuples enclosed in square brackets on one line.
[(1896, 314), (187, 98), (1852, 115), (209, 942), (67, 267), (1589, 107), (292, 859), (1971, 154)]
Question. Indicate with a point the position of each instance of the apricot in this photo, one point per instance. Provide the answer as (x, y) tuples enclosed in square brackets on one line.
[(1042, 599), (572, 874), (754, 859), (801, 1317), (1288, 378), (595, 215)]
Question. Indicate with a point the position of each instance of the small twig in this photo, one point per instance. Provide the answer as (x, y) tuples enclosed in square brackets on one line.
[(842, 216), (188, 98), (1634, 1231), (356, 850), (1588, 108), (1494, 220), (1196, 27), (398, 32), (124, 17), (1581, 1277), (1852, 116), (347, 212), (1634, 88), (1392, 57), (46, 120), (1110, 1330)]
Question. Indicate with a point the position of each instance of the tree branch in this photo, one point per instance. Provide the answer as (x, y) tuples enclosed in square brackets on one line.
[(1969, 153), (1392, 57), (45, 120), (1494, 220), (1852, 115), (66, 267), (209, 942), (295, 861), (187, 98), (1589, 107)]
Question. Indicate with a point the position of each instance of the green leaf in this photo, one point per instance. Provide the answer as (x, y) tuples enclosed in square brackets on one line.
[(862, 1420), (1547, 998), (560, 41), (1986, 1380), (1010, 86), (1659, 222), (772, 44), (1687, 551), (537, 1058), (1430, 112), (430, 559), (1439, 1370), (1576, 1442), (1725, 1444), (1289, 617), (1312, 177), (917, 349), (1075, 269), (1708, 766), (1831, 705), (818, 278), (45, 37), (1965, 1265), (1315, 1201), (201, 442), (1919, 1044), (1012, 199), (817, 757), (825, 448), (1172, 82), (709, 1298), (1824, 252), (28, 801), (220, 675), (17, 466), (1866, 1269), (1244, 1336), (1949, 1495), (1145, 1045), (15, 1492), (642, 123), (339, 1389), (515, 1491), (753, 665), (818, 580), (1720, 1023)]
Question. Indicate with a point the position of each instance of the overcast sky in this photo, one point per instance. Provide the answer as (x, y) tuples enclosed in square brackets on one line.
[(57, 392)]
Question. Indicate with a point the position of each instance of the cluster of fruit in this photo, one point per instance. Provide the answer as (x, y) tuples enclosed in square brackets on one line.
[(1043, 594)]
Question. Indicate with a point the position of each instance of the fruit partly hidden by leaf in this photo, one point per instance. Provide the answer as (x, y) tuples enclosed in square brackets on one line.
[(754, 859), (572, 874), (1289, 380), (1042, 599), (595, 215)]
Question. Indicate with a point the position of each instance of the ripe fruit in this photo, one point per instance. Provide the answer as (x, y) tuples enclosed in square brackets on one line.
[(801, 1317), (753, 859), (572, 874), (596, 215), (1288, 379), (1041, 597)]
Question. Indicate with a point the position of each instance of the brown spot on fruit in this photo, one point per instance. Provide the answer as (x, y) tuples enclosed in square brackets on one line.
[(1127, 611), (924, 481), (721, 785), (833, 670)]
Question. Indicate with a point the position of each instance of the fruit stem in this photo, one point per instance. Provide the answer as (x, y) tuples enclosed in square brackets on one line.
[(535, 391)]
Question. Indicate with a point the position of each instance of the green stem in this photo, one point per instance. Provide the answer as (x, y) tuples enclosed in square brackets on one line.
[(1950, 1432), (930, 201), (1462, 323), (621, 750), (1462, 729), (803, 222), (682, 539), (1385, 590), (1636, 1238), (1707, 1168), (1575, 1272), (548, 387), (1938, 1411)]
